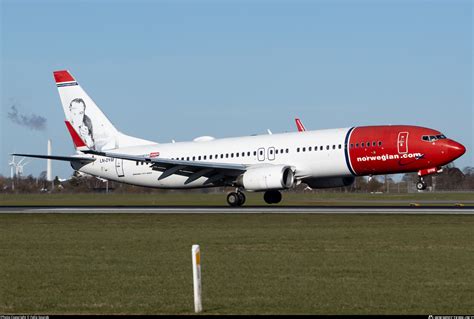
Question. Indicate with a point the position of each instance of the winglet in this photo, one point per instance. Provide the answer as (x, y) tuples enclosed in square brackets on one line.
[(78, 142), (299, 125)]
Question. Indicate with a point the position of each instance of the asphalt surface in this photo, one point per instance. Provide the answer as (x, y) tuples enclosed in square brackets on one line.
[(238, 210)]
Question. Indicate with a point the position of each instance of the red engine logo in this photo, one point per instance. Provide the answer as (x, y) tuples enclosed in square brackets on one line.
[(154, 154)]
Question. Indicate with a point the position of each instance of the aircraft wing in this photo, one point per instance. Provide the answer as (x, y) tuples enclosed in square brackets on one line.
[(60, 158), (192, 169)]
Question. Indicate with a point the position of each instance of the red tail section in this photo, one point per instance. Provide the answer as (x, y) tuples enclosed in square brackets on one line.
[(63, 76), (78, 142)]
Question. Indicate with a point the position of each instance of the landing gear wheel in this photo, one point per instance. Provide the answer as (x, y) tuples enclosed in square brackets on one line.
[(272, 197), (421, 185), (236, 199), (233, 199), (241, 198)]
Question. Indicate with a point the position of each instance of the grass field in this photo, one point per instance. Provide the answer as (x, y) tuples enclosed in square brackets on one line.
[(219, 199), (251, 263)]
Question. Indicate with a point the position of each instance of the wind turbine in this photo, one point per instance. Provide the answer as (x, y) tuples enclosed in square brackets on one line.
[(17, 166), (12, 165)]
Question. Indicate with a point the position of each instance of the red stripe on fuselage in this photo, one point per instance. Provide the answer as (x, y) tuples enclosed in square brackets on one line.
[(394, 149)]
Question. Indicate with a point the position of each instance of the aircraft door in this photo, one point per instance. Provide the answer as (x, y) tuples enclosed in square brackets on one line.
[(119, 167), (271, 153), (402, 143)]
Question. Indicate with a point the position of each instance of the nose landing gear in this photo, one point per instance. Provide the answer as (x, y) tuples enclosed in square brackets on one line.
[(421, 184)]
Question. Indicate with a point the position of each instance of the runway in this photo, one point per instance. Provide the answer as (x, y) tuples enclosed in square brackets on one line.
[(240, 210)]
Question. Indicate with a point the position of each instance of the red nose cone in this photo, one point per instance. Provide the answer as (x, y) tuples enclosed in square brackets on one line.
[(455, 149)]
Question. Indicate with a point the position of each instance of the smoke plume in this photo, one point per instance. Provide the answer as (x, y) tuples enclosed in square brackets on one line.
[(33, 121)]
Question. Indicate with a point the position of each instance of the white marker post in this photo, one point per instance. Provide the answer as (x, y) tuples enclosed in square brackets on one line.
[(197, 278)]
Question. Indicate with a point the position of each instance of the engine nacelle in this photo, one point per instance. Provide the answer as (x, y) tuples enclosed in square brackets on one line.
[(267, 177), (328, 182)]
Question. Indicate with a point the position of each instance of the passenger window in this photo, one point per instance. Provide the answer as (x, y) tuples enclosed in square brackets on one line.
[(194, 158), (248, 153), (276, 151), (243, 154), (254, 153), (374, 143), (309, 149), (287, 150), (261, 152), (210, 157), (334, 147), (327, 147), (339, 146), (297, 149), (362, 144), (380, 143), (357, 144), (304, 149), (321, 148), (199, 157), (352, 145), (368, 144), (222, 155), (271, 152)]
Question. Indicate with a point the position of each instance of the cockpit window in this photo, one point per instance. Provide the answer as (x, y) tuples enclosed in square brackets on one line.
[(432, 138)]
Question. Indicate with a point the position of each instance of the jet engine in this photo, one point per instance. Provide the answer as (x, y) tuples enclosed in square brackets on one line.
[(267, 177), (328, 182)]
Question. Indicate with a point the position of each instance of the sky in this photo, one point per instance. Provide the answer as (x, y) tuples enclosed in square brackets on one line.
[(164, 70)]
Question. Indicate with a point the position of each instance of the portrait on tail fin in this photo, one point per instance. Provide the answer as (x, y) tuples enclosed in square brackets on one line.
[(81, 122)]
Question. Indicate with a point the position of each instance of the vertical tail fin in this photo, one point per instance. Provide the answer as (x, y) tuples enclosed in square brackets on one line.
[(89, 127)]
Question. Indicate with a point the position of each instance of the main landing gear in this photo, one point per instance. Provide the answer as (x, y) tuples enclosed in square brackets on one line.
[(236, 198), (421, 184)]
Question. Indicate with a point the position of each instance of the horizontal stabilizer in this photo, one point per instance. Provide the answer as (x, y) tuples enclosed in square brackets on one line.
[(60, 158)]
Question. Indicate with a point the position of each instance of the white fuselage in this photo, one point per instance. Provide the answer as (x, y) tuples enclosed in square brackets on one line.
[(249, 150)]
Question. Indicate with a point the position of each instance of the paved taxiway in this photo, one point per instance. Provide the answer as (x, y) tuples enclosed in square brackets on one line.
[(240, 210)]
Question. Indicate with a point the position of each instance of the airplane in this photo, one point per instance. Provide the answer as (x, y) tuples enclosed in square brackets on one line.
[(266, 163)]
